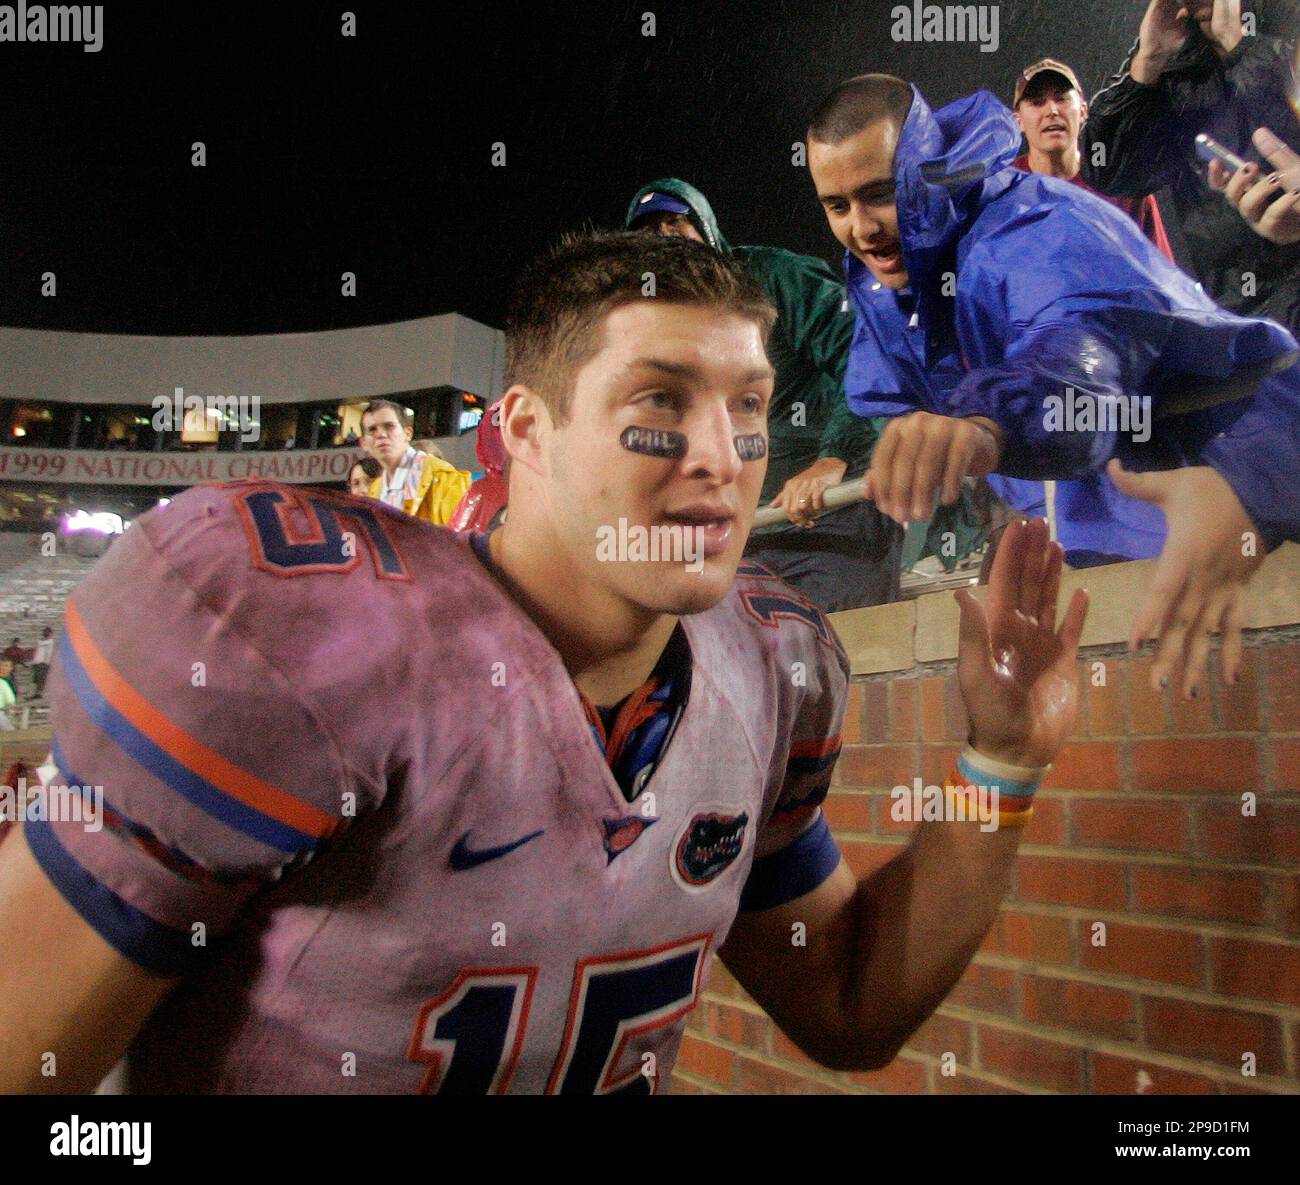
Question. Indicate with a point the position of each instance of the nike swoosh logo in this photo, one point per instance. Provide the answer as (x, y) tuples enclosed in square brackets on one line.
[(463, 856)]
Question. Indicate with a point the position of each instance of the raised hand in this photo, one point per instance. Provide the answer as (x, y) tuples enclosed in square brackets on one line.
[(1225, 24), (1163, 31), (1211, 552), (1016, 669)]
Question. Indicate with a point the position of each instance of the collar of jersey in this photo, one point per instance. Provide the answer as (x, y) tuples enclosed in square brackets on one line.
[(639, 728)]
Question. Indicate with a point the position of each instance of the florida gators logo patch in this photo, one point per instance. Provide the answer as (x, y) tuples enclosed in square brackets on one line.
[(708, 846)]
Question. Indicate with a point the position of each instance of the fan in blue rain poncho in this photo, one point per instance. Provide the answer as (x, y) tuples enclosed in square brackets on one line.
[(995, 307)]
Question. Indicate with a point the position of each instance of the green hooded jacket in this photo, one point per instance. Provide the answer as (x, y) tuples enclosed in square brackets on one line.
[(808, 349)]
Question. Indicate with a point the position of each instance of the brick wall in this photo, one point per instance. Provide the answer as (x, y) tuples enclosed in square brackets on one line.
[(1139, 827)]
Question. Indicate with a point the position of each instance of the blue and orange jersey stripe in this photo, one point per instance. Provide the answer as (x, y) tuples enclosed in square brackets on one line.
[(811, 757), (163, 949), (170, 857), (222, 789)]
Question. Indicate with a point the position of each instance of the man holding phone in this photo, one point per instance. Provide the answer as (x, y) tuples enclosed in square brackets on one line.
[(1196, 69)]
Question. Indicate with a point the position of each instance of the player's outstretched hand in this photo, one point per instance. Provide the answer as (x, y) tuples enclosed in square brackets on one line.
[(1015, 667), (1210, 554), (923, 454)]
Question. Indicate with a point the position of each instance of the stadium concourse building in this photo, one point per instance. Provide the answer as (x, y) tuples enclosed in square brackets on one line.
[(94, 423)]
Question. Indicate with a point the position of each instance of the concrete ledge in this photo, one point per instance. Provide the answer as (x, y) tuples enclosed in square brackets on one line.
[(899, 636), (881, 638)]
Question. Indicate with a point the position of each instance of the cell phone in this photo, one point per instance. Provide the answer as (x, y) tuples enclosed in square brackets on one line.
[(1208, 149)]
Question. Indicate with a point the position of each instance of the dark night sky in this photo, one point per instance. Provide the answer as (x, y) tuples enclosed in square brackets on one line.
[(372, 154)]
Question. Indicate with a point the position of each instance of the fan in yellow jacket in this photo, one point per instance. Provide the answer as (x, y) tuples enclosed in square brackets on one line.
[(425, 486), (434, 494)]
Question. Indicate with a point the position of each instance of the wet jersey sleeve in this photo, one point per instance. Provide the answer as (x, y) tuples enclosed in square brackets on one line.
[(795, 852), (186, 774)]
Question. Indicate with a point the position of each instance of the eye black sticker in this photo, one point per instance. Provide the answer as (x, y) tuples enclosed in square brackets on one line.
[(654, 442), (752, 447)]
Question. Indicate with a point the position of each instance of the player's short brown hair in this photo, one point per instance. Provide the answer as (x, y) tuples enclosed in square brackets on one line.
[(404, 417), (562, 299), (856, 104)]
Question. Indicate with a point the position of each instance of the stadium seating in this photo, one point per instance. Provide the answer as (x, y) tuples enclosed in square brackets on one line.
[(34, 589)]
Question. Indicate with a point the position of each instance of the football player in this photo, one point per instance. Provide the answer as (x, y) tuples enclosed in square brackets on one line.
[(388, 809)]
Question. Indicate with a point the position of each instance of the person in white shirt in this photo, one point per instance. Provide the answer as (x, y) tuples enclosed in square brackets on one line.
[(389, 442), (41, 662), (422, 485)]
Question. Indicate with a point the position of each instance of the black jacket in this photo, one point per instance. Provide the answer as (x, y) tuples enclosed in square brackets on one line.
[(1148, 132)]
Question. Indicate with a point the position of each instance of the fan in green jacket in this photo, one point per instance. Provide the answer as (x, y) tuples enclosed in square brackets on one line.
[(848, 557)]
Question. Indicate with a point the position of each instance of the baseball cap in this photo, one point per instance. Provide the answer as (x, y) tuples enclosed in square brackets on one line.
[(1047, 65), (657, 203)]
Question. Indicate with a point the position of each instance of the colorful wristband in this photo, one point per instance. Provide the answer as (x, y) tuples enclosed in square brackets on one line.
[(1012, 781), (974, 804), (978, 779)]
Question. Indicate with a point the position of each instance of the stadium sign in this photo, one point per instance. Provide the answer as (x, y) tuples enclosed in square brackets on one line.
[(119, 468)]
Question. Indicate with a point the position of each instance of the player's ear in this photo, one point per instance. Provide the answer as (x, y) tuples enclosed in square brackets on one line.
[(525, 419)]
